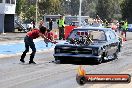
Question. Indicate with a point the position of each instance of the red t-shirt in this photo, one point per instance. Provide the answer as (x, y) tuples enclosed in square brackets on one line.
[(49, 35), (34, 33)]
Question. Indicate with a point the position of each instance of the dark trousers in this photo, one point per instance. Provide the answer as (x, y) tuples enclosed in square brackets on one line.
[(61, 33), (124, 32), (50, 27), (29, 43)]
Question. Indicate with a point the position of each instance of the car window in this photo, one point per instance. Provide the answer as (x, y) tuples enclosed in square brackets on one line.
[(111, 36), (12, 1), (108, 36), (95, 35), (73, 34), (7, 1), (75, 23), (98, 35)]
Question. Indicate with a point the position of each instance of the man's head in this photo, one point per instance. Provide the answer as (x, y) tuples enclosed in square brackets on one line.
[(43, 29), (50, 19), (61, 17)]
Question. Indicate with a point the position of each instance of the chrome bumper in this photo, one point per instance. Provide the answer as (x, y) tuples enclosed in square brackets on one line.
[(77, 55)]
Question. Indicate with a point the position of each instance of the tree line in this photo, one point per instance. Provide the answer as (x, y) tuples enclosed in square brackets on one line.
[(106, 9)]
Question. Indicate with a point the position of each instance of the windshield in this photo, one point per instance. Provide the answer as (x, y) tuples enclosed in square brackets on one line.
[(95, 35), (75, 23)]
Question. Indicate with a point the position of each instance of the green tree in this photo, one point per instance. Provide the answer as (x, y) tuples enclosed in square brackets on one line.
[(105, 9), (88, 7), (75, 7), (19, 6), (49, 6), (117, 9), (26, 9), (109, 9), (126, 8), (30, 12)]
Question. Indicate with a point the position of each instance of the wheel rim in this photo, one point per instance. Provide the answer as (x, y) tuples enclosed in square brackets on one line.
[(115, 55), (99, 61)]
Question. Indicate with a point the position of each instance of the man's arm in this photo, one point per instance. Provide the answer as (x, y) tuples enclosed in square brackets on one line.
[(45, 38)]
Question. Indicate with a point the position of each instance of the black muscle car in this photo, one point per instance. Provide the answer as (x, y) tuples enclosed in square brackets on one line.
[(89, 43)]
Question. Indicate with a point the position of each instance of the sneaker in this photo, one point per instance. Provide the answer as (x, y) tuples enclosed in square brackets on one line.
[(22, 61), (32, 62)]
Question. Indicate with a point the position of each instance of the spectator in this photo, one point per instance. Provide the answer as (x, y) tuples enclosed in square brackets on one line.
[(124, 28), (61, 26), (50, 24), (41, 23), (49, 36), (33, 22)]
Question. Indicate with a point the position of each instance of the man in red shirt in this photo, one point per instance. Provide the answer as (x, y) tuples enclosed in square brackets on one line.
[(29, 42), (49, 36)]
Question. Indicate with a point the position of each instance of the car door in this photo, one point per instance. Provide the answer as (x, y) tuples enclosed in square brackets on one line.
[(108, 45), (114, 42)]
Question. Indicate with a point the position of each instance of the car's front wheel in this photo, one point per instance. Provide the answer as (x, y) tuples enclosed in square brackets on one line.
[(99, 60), (59, 60), (115, 55)]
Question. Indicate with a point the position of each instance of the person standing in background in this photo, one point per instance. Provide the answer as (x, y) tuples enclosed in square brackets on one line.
[(124, 28), (41, 23), (106, 23), (61, 26), (50, 24), (49, 36), (33, 22)]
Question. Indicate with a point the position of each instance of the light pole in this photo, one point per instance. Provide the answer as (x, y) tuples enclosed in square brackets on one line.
[(80, 12)]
